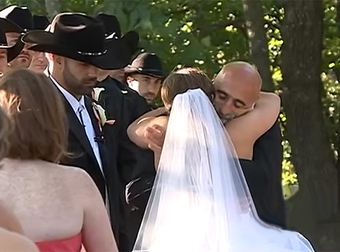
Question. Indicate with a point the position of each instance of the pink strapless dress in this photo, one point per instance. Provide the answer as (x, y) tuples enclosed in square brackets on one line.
[(72, 244)]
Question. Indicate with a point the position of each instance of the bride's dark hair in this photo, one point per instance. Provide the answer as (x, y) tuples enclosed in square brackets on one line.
[(182, 80)]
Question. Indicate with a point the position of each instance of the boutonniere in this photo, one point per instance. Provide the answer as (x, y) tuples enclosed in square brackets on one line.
[(99, 111), (96, 92)]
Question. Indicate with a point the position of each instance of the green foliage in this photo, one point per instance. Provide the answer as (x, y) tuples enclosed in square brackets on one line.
[(208, 34), (331, 75)]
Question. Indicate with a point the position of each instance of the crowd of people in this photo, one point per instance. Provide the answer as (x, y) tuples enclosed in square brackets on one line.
[(89, 163)]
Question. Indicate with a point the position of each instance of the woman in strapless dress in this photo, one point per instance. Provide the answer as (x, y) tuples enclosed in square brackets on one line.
[(58, 207), (10, 239)]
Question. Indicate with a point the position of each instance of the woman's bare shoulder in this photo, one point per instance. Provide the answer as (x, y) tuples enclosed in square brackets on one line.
[(73, 173), (69, 176)]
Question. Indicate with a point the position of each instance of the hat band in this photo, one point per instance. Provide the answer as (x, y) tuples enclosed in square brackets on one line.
[(92, 53)]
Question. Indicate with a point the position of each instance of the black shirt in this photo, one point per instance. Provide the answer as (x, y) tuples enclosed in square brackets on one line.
[(263, 175)]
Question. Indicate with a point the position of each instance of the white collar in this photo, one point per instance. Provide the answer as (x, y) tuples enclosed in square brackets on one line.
[(70, 98)]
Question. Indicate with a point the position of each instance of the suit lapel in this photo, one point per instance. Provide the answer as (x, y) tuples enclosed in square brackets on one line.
[(78, 130), (99, 134), (76, 127), (93, 118)]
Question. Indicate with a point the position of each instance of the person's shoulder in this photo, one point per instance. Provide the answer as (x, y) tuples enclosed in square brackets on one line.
[(75, 175), (64, 172), (14, 242), (273, 134), (125, 89), (109, 85), (70, 170)]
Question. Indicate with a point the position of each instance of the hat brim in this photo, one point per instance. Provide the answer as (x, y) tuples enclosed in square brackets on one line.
[(116, 57), (14, 51), (131, 39), (151, 72), (9, 26)]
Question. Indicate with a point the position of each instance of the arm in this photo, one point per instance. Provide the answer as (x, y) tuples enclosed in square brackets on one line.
[(246, 129), (10, 241), (136, 131), (9, 221), (155, 135), (96, 231)]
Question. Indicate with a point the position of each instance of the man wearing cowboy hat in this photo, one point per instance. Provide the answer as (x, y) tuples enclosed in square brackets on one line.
[(7, 52), (130, 38), (77, 47), (15, 21), (39, 62), (114, 100), (134, 103), (145, 75), (118, 99)]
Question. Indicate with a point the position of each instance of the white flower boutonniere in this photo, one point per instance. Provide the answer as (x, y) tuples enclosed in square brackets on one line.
[(99, 111), (100, 114), (96, 92)]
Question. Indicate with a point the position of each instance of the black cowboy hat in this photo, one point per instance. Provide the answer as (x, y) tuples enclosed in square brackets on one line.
[(148, 64), (40, 22), (79, 37), (112, 28), (12, 51), (15, 19)]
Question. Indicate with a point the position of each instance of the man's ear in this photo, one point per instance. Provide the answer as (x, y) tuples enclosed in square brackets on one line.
[(58, 61)]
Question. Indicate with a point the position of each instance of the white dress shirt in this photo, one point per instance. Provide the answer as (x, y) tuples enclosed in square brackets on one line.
[(84, 118)]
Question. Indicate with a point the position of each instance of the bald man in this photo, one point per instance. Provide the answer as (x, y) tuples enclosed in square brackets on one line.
[(237, 89)]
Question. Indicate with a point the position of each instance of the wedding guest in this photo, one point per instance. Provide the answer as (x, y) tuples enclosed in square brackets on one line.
[(39, 61), (145, 75), (16, 21), (73, 71), (58, 207)]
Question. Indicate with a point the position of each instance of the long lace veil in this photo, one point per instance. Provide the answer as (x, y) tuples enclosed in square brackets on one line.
[(200, 200)]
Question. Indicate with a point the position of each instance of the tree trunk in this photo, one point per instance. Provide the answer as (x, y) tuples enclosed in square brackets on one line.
[(315, 208), (52, 8), (258, 42)]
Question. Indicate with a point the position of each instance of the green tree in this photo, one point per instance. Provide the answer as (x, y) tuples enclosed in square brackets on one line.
[(302, 33), (294, 44)]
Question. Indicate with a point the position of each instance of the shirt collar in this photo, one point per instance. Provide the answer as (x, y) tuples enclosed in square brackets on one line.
[(70, 98)]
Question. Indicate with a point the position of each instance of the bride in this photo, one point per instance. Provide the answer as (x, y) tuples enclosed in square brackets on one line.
[(200, 201)]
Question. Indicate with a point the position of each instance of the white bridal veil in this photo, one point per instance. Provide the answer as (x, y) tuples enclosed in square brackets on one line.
[(200, 201)]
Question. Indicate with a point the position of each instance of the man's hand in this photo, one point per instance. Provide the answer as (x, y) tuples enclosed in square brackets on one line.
[(155, 134)]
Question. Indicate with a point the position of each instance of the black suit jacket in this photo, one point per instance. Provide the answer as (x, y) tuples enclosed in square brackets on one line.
[(81, 155), (122, 151), (142, 175), (121, 148)]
